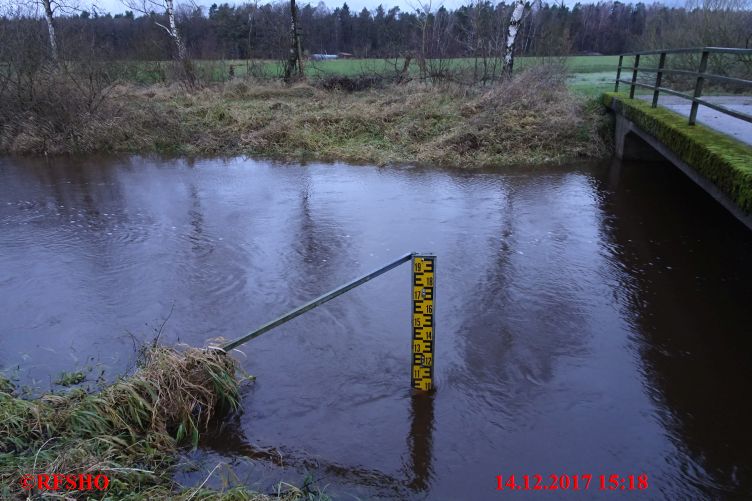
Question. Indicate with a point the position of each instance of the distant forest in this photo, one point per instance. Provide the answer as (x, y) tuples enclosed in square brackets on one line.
[(261, 31)]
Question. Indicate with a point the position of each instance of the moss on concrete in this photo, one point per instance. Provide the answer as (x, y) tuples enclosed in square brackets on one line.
[(721, 159)]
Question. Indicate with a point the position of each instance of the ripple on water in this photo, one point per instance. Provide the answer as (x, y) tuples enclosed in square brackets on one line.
[(548, 304)]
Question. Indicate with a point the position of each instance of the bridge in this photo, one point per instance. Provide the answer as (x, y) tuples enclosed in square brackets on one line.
[(705, 131)]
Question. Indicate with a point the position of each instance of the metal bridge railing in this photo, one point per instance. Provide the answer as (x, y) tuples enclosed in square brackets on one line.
[(700, 76)]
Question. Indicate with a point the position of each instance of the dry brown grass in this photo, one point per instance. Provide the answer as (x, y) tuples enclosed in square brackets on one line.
[(532, 118)]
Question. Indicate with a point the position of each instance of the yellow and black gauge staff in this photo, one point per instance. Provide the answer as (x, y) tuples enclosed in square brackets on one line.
[(423, 325), (423, 329)]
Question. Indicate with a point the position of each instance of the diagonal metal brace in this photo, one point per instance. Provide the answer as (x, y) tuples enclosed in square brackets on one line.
[(315, 302)]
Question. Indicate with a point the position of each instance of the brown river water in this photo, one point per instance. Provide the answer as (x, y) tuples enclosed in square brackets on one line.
[(590, 319)]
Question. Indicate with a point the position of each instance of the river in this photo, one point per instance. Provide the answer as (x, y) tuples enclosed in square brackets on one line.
[(590, 319)]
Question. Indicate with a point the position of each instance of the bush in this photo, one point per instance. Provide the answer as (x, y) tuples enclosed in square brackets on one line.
[(351, 84), (532, 115), (52, 110)]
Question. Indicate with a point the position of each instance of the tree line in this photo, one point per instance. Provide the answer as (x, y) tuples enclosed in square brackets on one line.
[(479, 29)]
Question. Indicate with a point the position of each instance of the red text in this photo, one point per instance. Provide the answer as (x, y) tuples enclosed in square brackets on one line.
[(59, 482)]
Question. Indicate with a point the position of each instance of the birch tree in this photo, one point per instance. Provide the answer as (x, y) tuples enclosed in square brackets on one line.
[(50, 8), (512, 29), (146, 7), (295, 58), (48, 11)]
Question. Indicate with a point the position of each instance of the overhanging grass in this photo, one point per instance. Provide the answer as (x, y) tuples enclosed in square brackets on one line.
[(131, 431), (721, 159)]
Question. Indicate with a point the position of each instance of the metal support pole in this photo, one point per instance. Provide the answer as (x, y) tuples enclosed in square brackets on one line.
[(698, 87), (618, 74), (423, 283), (658, 78), (316, 302), (634, 76)]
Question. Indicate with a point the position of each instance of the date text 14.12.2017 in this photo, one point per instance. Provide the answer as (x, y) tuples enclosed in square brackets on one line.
[(614, 482)]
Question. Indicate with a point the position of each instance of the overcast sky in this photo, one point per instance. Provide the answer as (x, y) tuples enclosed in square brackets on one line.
[(116, 6)]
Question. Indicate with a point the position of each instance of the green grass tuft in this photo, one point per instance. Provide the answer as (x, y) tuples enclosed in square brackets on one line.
[(70, 378)]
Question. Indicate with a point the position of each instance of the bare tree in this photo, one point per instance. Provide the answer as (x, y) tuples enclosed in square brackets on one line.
[(482, 37), (253, 10), (295, 58), (48, 11), (718, 22), (50, 8), (146, 7), (423, 11)]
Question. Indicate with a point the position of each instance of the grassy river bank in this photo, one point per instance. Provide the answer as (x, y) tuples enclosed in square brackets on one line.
[(531, 119), (131, 432)]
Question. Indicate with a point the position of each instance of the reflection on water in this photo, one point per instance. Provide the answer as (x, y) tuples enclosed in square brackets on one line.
[(591, 319), (687, 306), (421, 433)]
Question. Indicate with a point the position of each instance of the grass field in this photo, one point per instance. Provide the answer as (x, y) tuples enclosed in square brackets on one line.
[(592, 84), (575, 64), (221, 70)]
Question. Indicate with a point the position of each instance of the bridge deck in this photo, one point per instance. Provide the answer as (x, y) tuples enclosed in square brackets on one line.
[(738, 129)]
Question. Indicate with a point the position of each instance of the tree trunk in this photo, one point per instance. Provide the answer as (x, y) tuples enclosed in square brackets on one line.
[(51, 30), (299, 47), (422, 55), (250, 32), (514, 27), (296, 50), (403, 77), (182, 52)]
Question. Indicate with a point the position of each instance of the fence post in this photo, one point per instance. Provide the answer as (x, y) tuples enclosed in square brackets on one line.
[(658, 78), (634, 76), (618, 73), (424, 268), (698, 87)]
